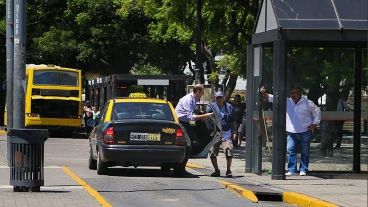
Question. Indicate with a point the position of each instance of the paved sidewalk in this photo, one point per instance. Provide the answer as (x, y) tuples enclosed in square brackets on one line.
[(59, 189), (342, 192)]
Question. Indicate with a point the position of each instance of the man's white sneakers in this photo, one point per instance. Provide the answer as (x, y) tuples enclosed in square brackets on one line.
[(289, 174)]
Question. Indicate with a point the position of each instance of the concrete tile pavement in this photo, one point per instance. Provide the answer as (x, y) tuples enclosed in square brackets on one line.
[(342, 192), (59, 189)]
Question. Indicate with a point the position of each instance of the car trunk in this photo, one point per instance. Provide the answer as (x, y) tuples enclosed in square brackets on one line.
[(146, 132)]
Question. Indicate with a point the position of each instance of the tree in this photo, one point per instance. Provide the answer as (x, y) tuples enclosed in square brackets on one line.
[(326, 71), (227, 28)]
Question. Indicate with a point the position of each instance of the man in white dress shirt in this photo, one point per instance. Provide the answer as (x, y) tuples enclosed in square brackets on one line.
[(302, 118)]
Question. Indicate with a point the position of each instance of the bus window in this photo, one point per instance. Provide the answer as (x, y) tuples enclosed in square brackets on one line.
[(49, 77)]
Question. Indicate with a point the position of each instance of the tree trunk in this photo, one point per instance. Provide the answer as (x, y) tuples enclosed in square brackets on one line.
[(229, 88), (210, 59), (328, 128), (199, 71)]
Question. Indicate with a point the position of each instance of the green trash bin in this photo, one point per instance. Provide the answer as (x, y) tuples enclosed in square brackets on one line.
[(27, 158)]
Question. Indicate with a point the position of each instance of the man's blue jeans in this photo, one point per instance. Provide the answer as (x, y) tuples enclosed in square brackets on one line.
[(303, 140)]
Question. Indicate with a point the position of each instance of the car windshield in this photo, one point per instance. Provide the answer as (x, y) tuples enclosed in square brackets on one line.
[(158, 111)]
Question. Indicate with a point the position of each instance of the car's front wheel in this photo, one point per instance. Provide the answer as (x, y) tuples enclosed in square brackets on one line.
[(92, 163), (101, 166)]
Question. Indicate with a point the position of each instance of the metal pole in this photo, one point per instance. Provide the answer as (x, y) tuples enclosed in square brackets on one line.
[(9, 67), (357, 109), (9, 61), (19, 63), (249, 113), (279, 110)]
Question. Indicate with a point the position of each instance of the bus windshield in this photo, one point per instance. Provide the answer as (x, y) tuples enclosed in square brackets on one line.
[(51, 77)]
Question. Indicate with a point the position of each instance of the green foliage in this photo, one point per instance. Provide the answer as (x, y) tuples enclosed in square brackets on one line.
[(145, 70), (57, 45), (230, 63), (213, 77), (112, 36)]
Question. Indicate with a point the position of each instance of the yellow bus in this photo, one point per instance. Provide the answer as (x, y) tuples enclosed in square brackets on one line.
[(53, 98)]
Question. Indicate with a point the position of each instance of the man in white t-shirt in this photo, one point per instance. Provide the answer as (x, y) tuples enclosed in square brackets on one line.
[(302, 118)]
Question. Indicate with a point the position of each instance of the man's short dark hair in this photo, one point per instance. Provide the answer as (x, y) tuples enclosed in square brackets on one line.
[(297, 87), (198, 88)]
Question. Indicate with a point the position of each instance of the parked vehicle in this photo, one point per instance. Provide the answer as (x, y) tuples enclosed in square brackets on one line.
[(146, 132)]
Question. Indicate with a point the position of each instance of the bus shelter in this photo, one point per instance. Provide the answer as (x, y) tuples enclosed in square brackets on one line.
[(169, 87), (321, 46)]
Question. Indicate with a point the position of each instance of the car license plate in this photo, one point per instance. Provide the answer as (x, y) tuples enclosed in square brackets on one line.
[(136, 136)]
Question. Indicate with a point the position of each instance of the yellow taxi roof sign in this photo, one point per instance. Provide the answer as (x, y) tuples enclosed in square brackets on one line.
[(137, 95)]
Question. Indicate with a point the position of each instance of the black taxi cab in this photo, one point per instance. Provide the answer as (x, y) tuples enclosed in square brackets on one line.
[(139, 131)]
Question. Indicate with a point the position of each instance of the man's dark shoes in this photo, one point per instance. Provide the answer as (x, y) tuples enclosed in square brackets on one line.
[(216, 173), (229, 174)]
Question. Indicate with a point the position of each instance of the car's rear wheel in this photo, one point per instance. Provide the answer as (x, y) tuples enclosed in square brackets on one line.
[(92, 163), (179, 169), (101, 166), (165, 169)]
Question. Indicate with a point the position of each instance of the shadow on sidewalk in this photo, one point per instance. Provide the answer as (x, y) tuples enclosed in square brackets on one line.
[(339, 175)]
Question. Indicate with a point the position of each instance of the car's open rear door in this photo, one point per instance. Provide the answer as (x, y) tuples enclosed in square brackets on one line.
[(207, 133)]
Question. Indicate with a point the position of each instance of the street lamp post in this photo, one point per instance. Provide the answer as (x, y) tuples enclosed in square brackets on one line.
[(19, 63), (9, 60)]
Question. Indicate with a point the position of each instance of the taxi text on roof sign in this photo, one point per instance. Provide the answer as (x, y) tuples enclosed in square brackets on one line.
[(137, 95)]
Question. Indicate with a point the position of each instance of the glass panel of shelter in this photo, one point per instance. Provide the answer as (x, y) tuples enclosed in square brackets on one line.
[(304, 15), (364, 120), (326, 76)]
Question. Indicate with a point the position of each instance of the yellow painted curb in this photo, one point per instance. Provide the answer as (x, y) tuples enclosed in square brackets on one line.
[(192, 165), (242, 191), (304, 200), (87, 187), (2, 132)]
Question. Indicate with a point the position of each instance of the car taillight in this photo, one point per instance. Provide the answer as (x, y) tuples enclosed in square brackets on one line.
[(179, 137), (108, 136)]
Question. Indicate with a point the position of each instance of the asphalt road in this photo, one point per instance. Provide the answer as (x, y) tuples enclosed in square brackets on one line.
[(143, 186)]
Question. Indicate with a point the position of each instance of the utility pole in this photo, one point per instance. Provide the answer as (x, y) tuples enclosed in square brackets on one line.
[(9, 61), (19, 63), (198, 70), (9, 67)]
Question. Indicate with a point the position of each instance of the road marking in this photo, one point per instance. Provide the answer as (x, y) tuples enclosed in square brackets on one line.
[(192, 165), (304, 200), (240, 190), (87, 187)]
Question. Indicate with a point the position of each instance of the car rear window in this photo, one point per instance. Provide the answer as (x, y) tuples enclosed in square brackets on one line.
[(138, 110)]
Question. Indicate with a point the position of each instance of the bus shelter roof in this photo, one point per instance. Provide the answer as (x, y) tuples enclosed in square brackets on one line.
[(312, 22)]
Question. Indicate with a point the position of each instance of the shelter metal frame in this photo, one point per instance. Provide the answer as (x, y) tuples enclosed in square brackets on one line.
[(284, 24)]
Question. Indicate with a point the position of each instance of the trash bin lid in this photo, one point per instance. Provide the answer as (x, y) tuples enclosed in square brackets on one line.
[(28, 135)]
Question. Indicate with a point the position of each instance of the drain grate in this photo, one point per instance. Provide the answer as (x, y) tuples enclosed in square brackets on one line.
[(269, 196)]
